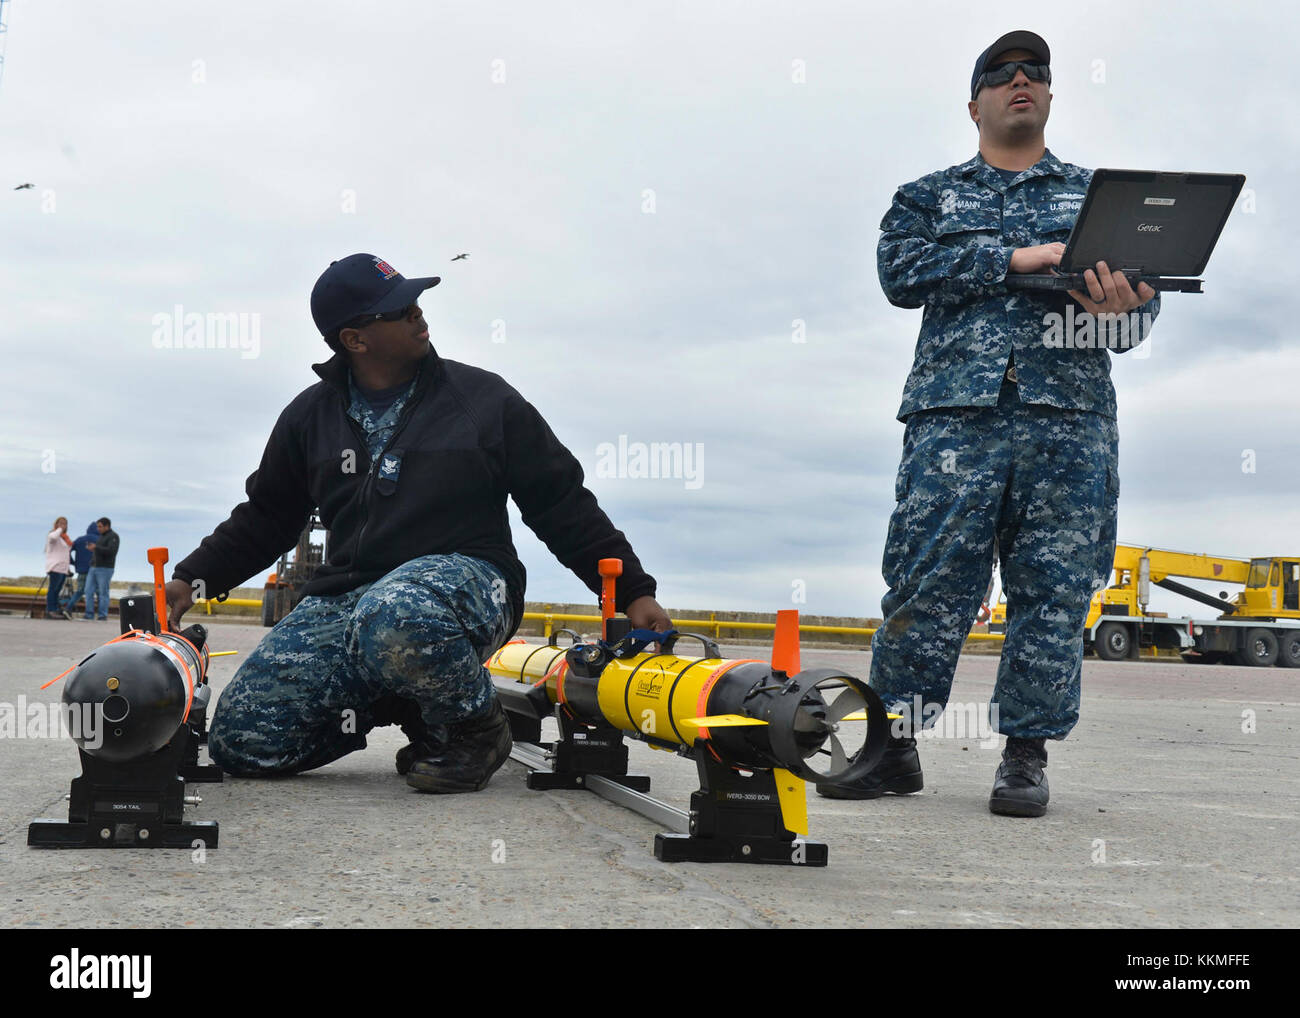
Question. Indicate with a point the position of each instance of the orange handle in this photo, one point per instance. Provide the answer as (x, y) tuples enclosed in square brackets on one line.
[(610, 569), (158, 556)]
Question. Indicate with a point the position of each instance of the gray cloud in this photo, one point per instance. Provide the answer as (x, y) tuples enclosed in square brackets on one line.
[(228, 196)]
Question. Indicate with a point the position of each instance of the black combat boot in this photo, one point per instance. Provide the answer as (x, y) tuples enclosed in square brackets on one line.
[(898, 773), (431, 743), (426, 740), (474, 750), (1020, 787)]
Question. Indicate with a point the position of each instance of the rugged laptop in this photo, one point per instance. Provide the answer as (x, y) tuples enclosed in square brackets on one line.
[(1156, 228)]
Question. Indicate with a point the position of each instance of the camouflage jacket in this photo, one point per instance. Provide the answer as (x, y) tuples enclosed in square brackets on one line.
[(378, 428), (946, 246)]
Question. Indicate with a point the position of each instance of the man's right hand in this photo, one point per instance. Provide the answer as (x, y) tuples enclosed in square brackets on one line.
[(1036, 259), (180, 599)]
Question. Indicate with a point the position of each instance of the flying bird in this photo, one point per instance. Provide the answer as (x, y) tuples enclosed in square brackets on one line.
[(23, 187), (460, 256)]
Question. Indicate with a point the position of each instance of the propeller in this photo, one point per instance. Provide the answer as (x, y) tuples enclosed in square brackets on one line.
[(817, 724)]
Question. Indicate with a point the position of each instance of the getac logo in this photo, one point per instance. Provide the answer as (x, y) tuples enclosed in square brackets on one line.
[(1148, 228)]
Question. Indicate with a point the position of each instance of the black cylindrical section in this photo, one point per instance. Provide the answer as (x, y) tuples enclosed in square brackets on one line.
[(747, 690), (196, 634), (580, 680), (196, 659), (126, 700)]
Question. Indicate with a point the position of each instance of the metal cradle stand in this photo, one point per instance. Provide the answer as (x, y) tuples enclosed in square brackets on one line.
[(138, 803), (732, 818)]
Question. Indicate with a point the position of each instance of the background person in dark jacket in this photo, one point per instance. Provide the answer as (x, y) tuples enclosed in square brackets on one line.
[(83, 549), (101, 569), (409, 459)]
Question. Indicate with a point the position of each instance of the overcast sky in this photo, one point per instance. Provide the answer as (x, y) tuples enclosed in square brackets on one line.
[(650, 198)]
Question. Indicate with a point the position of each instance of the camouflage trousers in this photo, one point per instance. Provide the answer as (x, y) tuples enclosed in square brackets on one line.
[(1044, 483), (407, 649)]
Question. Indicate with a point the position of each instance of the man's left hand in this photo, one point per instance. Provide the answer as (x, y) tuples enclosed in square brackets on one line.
[(645, 613), (1110, 292)]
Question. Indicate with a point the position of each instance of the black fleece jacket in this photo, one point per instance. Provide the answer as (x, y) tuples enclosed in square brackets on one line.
[(465, 440), (105, 554)]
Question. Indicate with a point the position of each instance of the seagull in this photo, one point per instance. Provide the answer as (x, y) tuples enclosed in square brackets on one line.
[(23, 187), (456, 259)]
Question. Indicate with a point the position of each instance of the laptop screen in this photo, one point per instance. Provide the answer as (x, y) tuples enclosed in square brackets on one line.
[(1164, 224)]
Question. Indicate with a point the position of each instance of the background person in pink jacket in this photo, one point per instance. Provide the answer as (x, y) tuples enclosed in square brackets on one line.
[(57, 566)]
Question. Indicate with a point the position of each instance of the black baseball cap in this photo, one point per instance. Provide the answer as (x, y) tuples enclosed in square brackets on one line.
[(362, 284), (1012, 40)]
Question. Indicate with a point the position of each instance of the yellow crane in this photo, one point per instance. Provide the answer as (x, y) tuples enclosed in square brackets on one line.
[(1260, 626)]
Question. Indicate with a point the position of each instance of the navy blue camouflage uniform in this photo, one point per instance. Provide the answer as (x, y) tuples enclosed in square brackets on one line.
[(1010, 436), (422, 582), (408, 648)]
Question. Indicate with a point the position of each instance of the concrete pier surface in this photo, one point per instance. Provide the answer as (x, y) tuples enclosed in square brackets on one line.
[(1175, 804)]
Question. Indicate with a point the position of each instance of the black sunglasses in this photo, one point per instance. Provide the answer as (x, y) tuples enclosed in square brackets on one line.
[(1000, 74), (382, 316)]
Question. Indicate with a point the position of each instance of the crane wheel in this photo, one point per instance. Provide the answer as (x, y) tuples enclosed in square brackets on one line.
[(1260, 650), (1112, 642), (1288, 655)]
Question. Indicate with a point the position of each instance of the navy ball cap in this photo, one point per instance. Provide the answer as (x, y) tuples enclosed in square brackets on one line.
[(1012, 40), (362, 284)]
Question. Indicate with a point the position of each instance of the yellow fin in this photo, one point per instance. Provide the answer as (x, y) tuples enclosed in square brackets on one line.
[(792, 794), (721, 721)]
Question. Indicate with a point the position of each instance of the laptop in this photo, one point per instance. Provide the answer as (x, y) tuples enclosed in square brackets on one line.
[(1157, 228)]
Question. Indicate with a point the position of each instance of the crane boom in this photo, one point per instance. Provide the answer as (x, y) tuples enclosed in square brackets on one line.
[(1163, 563)]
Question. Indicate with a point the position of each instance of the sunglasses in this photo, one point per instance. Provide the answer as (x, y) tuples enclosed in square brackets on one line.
[(382, 316), (1000, 74)]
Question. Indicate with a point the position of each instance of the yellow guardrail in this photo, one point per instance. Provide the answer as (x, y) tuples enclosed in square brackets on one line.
[(716, 625), (712, 624), (237, 602)]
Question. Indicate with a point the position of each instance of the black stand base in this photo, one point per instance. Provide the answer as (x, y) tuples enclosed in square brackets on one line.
[(583, 750), (194, 733), (586, 750), (545, 781), (130, 804), (58, 834), (737, 819), (202, 773), (688, 848), (732, 819)]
